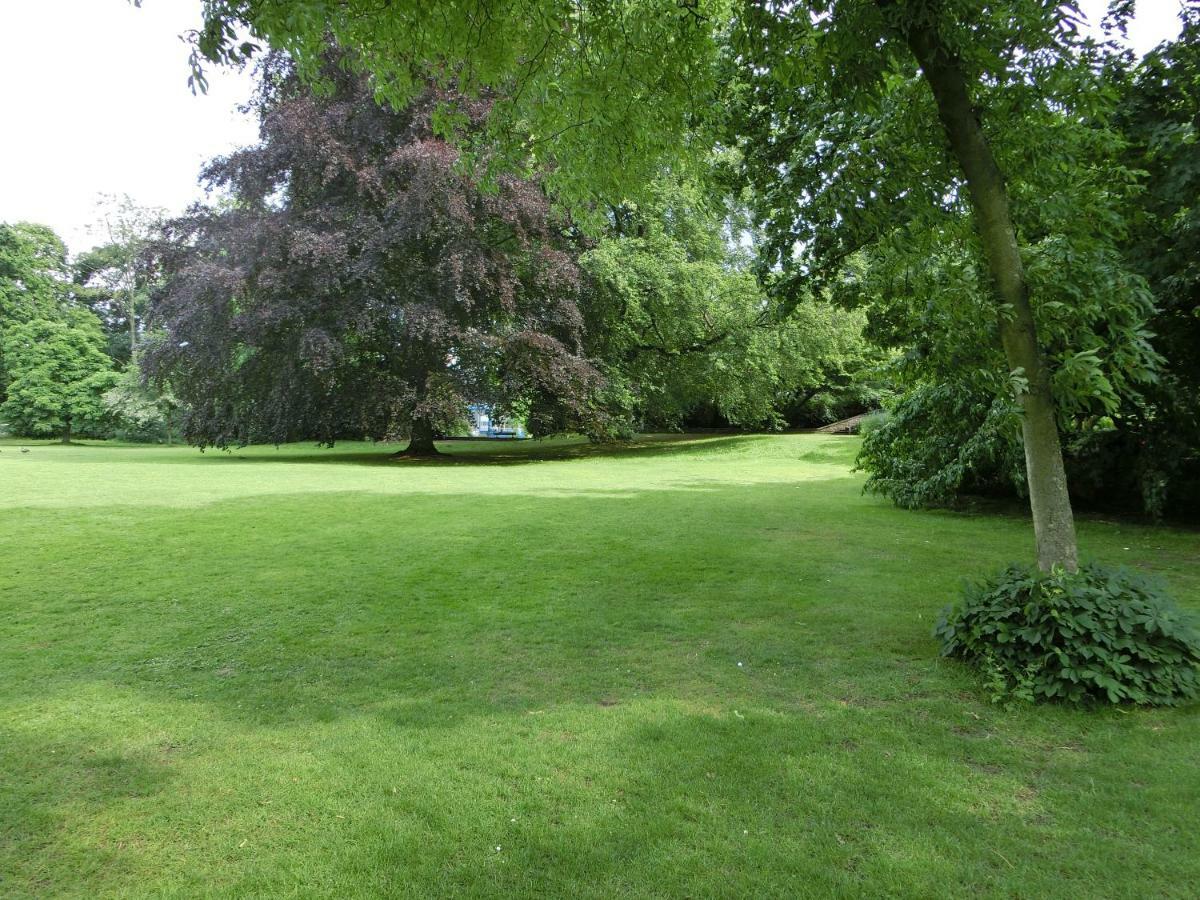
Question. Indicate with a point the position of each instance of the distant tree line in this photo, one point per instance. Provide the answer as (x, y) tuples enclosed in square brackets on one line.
[(70, 331)]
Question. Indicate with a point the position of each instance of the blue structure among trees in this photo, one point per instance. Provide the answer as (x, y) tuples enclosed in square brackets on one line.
[(485, 424)]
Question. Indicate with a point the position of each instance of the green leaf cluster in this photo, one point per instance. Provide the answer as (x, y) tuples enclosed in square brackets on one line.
[(1096, 636), (141, 411), (34, 279), (601, 95), (938, 440), (684, 325), (59, 373)]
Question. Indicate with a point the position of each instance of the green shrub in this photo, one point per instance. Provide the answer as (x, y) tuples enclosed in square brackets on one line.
[(1099, 635), (940, 441)]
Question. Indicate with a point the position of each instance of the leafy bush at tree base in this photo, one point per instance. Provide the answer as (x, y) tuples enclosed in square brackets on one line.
[(1098, 635)]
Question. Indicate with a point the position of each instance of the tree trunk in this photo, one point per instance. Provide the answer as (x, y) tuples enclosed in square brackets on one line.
[(421, 440), (66, 435), (1053, 522), (132, 310)]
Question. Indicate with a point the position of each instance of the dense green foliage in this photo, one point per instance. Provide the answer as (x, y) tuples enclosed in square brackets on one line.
[(34, 276), (937, 440), (1152, 454), (1136, 444), (899, 240), (64, 332), (1099, 634), (325, 672), (58, 374), (684, 328), (141, 411)]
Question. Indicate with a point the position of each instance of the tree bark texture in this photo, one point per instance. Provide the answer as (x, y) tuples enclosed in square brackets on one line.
[(420, 441), (1053, 521)]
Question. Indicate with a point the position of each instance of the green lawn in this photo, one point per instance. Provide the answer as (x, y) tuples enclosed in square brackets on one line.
[(691, 668)]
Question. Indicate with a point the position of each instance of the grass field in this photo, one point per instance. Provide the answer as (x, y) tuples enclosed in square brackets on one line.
[(691, 668)]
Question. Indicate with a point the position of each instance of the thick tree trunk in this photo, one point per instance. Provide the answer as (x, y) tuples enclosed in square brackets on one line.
[(66, 435), (1053, 522), (421, 440)]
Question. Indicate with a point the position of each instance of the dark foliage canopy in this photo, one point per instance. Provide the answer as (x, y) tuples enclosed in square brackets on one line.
[(356, 281)]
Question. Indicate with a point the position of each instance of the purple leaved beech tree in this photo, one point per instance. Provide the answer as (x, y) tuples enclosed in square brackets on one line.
[(357, 282)]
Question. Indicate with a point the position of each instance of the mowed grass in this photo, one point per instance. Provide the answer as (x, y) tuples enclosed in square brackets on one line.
[(688, 668)]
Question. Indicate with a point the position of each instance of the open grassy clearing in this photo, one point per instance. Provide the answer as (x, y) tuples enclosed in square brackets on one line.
[(691, 668)]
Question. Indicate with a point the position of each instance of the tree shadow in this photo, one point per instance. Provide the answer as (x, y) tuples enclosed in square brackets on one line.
[(76, 778), (557, 676), (499, 453)]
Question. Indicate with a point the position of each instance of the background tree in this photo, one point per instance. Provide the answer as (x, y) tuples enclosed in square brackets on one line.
[(142, 411), (34, 279), (58, 375), (115, 275), (1153, 452), (682, 323), (359, 282)]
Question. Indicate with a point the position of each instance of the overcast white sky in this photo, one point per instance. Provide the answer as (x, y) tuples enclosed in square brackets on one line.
[(94, 99)]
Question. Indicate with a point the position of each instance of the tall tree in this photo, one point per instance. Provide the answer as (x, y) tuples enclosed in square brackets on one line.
[(865, 198), (607, 90), (946, 70), (838, 126), (115, 275), (359, 282), (682, 323), (59, 373), (34, 279)]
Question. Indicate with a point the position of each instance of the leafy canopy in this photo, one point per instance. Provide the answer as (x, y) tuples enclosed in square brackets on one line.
[(34, 279), (605, 92), (680, 319), (59, 373), (34, 274), (358, 281)]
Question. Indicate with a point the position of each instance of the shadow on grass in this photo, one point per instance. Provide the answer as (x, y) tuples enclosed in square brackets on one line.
[(555, 676), (506, 453), (74, 777)]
